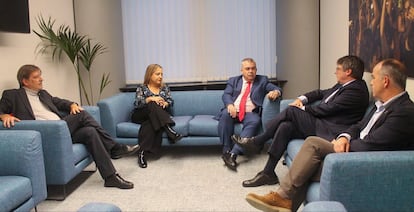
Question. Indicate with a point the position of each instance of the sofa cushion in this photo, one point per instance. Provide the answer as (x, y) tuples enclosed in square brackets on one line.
[(20, 188), (127, 130), (203, 125), (313, 192), (181, 125), (293, 149), (79, 152), (206, 102), (130, 130)]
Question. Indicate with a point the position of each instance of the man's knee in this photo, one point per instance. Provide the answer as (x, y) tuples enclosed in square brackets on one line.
[(314, 141)]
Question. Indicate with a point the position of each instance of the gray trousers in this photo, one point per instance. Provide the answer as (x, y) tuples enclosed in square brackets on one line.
[(306, 167)]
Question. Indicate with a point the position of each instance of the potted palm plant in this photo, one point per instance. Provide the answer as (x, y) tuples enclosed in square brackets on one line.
[(78, 48)]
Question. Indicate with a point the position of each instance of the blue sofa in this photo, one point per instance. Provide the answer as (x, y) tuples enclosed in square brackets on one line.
[(63, 159), (362, 181), (22, 171), (193, 113)]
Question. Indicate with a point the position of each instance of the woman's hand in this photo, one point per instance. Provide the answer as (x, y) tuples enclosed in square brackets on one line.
[(159, 100)]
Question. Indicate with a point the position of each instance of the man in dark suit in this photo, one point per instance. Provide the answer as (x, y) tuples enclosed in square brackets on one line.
[(243, 98), (320, 112), (388, 127), (31, 102)]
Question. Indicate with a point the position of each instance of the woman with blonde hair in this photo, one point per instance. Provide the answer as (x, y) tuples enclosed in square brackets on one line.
[(152, 110)]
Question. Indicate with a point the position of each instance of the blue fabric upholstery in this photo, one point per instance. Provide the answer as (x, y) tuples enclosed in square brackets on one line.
[(63, 159), (362, 181), (99, 206), (193, 112), (370, 181), (22, 171), (324, 206)]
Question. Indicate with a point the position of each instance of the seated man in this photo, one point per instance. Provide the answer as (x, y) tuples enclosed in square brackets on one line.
[(339, 107), (388, 127), (243, 99), (31, 102)]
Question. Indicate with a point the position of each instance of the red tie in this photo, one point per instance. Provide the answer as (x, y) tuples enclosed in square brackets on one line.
[(242, 106)]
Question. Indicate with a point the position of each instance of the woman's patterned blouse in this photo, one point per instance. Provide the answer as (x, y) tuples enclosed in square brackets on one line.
[(144, 92)]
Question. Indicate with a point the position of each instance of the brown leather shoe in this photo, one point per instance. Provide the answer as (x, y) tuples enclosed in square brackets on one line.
[(269, 202)]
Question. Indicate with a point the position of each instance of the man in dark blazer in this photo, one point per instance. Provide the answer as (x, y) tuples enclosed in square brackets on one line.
[(320, 112), (388, 127), (257, 87), (31, 102)]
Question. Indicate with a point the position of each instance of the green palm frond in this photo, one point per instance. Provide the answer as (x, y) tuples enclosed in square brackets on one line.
[(50, 40), (77, 48), (88, 53)]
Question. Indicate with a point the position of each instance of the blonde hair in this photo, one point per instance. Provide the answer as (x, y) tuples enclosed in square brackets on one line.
[(150, 70)]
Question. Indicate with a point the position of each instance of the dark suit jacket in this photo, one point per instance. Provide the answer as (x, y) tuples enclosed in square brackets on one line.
[(393, 130), (15, 101), (345, 108), (260, 87)]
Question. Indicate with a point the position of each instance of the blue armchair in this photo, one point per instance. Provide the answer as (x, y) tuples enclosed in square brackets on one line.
[(362, 181), (22, 171), (63, 160)]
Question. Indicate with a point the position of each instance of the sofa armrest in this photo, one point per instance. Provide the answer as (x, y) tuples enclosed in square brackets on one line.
[(284, 103), (324, 206), (21, 155), (369, 181), (270, 110), (57, 148), (94, 112), (115, 109)]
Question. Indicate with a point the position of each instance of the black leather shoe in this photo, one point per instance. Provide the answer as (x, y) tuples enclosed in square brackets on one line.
[(247, 144), (261, 179), (117, 181), (173, 136), (230, 160), (142, 162), (123, 150), (177, 137)]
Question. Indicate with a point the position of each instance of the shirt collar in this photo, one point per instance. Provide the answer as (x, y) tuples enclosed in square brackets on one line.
[(31, 92), (381, 105)]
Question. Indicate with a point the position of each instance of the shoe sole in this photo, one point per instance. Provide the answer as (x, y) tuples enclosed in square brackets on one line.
[(114, 186), (264, 206)]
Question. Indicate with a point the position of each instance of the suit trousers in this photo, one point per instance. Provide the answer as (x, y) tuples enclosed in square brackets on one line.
[(84, 129), (306, 167), (153, 119), (251, 123), (289, 124)]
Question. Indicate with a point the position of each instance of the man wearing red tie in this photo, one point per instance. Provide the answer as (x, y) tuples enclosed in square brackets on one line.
[(243, 98)]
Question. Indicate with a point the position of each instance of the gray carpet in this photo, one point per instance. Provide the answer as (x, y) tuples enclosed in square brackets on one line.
[(184, 178)]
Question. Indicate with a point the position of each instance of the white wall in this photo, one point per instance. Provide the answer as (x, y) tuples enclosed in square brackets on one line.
[(334, 41), (104, 26), (297, 42), (60, 78), (19, 49)]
